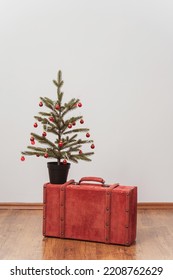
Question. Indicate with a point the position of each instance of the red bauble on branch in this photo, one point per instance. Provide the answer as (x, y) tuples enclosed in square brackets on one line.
[(57, 107), (60, 144), (51, 119), (35, 124), (70, 125), (46, 155), (92, 146), (79, 104), (81, 121), (87, 135), (44, 134), (22, 158), (41, 104)]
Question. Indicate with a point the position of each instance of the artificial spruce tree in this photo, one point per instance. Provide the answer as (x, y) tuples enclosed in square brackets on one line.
[(67, 130)]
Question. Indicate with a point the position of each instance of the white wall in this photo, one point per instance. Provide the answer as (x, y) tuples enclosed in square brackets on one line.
[(116, 56)]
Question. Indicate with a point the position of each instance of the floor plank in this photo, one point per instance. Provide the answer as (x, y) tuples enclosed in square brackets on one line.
[(21, 238)]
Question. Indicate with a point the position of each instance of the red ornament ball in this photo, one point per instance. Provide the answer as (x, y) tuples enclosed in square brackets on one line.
[(35, 124), (57, 107), (44, 134), (37, 155), (79, 104), (32, 138), (60, 144), (70, 125), (87, 135), (41, 104), (80, 151), (92, 146), (46, 155), (33, 142), (73, 123), (81, 121), (64, 161), (51, 119), (22, 158)]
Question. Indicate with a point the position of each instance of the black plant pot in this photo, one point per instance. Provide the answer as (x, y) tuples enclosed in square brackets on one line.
[(58, 173)]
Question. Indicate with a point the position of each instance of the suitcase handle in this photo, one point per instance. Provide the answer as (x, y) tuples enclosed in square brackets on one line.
[(69, 183), (94, 179)]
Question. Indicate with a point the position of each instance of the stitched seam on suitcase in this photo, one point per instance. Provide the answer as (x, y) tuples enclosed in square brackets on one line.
[(44, 209), (108, 212), (127, 218), (107, 216), (62, 212)]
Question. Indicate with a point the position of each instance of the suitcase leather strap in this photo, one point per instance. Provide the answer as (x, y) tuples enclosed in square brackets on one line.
[(44, 209), (62, 207), (108, 212)]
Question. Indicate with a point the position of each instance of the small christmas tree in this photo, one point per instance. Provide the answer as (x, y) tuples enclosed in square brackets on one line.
[(67, 145)]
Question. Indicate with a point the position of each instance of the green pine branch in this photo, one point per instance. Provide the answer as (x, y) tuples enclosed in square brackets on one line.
[(76, 157), (69, 121), (71, 105), (73, 119), (76, 130), (85, 141), (47, 102), (52, 127), (44, 140), (41, 152), (45, 114), (75, 148), (72, 138), (36, 149), (59, 83)]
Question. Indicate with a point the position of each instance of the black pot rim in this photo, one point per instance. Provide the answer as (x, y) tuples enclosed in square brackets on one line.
[(55, 163)]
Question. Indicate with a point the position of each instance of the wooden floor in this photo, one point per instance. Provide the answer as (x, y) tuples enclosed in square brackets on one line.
[(21, 238)]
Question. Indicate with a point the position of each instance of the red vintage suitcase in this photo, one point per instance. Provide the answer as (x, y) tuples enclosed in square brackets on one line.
[(90, 211)]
